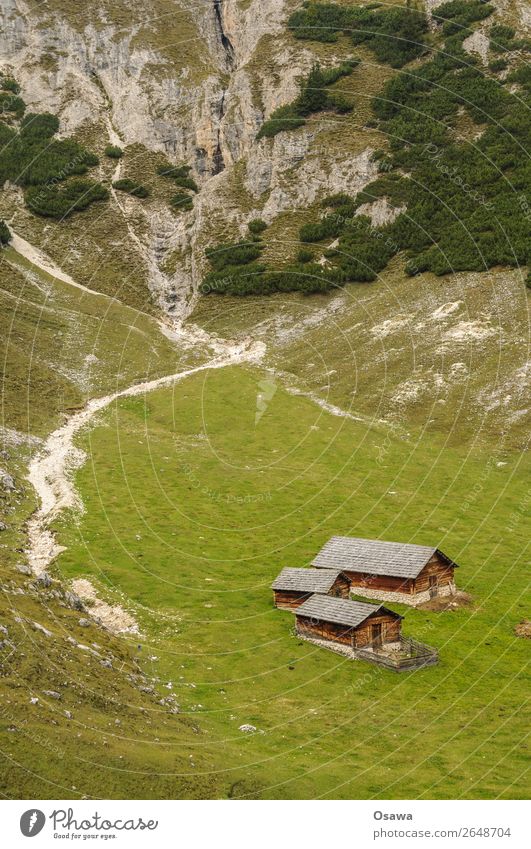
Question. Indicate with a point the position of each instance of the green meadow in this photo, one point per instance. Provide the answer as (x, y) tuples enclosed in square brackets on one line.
[(195, 497)]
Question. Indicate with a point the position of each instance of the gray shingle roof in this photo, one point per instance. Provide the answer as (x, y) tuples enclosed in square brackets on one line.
[(376, 557), (338, 610), (306, 580)]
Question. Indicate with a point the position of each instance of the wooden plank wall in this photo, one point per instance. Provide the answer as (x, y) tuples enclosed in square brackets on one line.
[(381, 582), (324, 630), (341, 587), (288, 600), (436, 566), (388, 583), (391, 627), (359, 637)]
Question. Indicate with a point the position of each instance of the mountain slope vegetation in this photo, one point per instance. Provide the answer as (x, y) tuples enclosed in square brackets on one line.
[(461, 204), (360, 173)]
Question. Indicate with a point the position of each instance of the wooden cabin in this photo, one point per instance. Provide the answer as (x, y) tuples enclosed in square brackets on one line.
[(390, 571), (294, 586), (352, 623)]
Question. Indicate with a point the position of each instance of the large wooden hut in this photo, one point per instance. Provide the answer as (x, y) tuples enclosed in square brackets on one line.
[(390, 571), (294, 586), (352, 623)]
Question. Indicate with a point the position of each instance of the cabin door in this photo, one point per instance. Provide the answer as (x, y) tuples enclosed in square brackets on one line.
[(376, 635), (433, 586)]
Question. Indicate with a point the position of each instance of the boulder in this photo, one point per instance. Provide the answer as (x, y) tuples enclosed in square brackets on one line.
[(7, 481), (37, 627), (74, 601), (43, 580)]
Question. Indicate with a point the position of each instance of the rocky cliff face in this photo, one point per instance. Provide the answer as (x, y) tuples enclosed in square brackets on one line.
[(185, 90), (193, 81)]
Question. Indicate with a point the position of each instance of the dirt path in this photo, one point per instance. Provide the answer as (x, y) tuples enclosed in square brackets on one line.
[(188, 337), (51, 469), (46, 264)]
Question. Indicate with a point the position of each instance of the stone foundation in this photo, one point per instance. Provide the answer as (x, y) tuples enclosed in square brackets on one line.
[(339, 648), (403, 598)]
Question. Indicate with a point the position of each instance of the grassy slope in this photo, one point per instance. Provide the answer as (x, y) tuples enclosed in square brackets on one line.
[(109, 741), (447, 715), (383, 350), (94, 247), (51, 334), (48, 329), (191, 511)]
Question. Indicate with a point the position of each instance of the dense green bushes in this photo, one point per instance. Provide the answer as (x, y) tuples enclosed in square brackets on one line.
[(501, 37), (229, 255), (31, 157), (180, 201), (236, 271), (521, 75), (327, 228), (313, 98), (113, 151), (60, 201), (502, 40), (363, 250), (282, 119), (457, 15), (173, 171), (304, 255), (321, 21), (9, 84), (257, 226), (395, 34), (256, 279), (498, 65), (11, 105), (179, 174), (467, 203), (40, 127), (462, 199), (186, 183), (131, 187)]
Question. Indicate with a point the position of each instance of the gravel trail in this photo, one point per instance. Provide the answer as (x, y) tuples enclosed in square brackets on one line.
[(50, 471)]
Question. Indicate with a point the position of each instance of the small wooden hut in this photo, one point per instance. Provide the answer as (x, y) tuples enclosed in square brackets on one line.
[(351, 623), (390, 571), (294, 586)]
